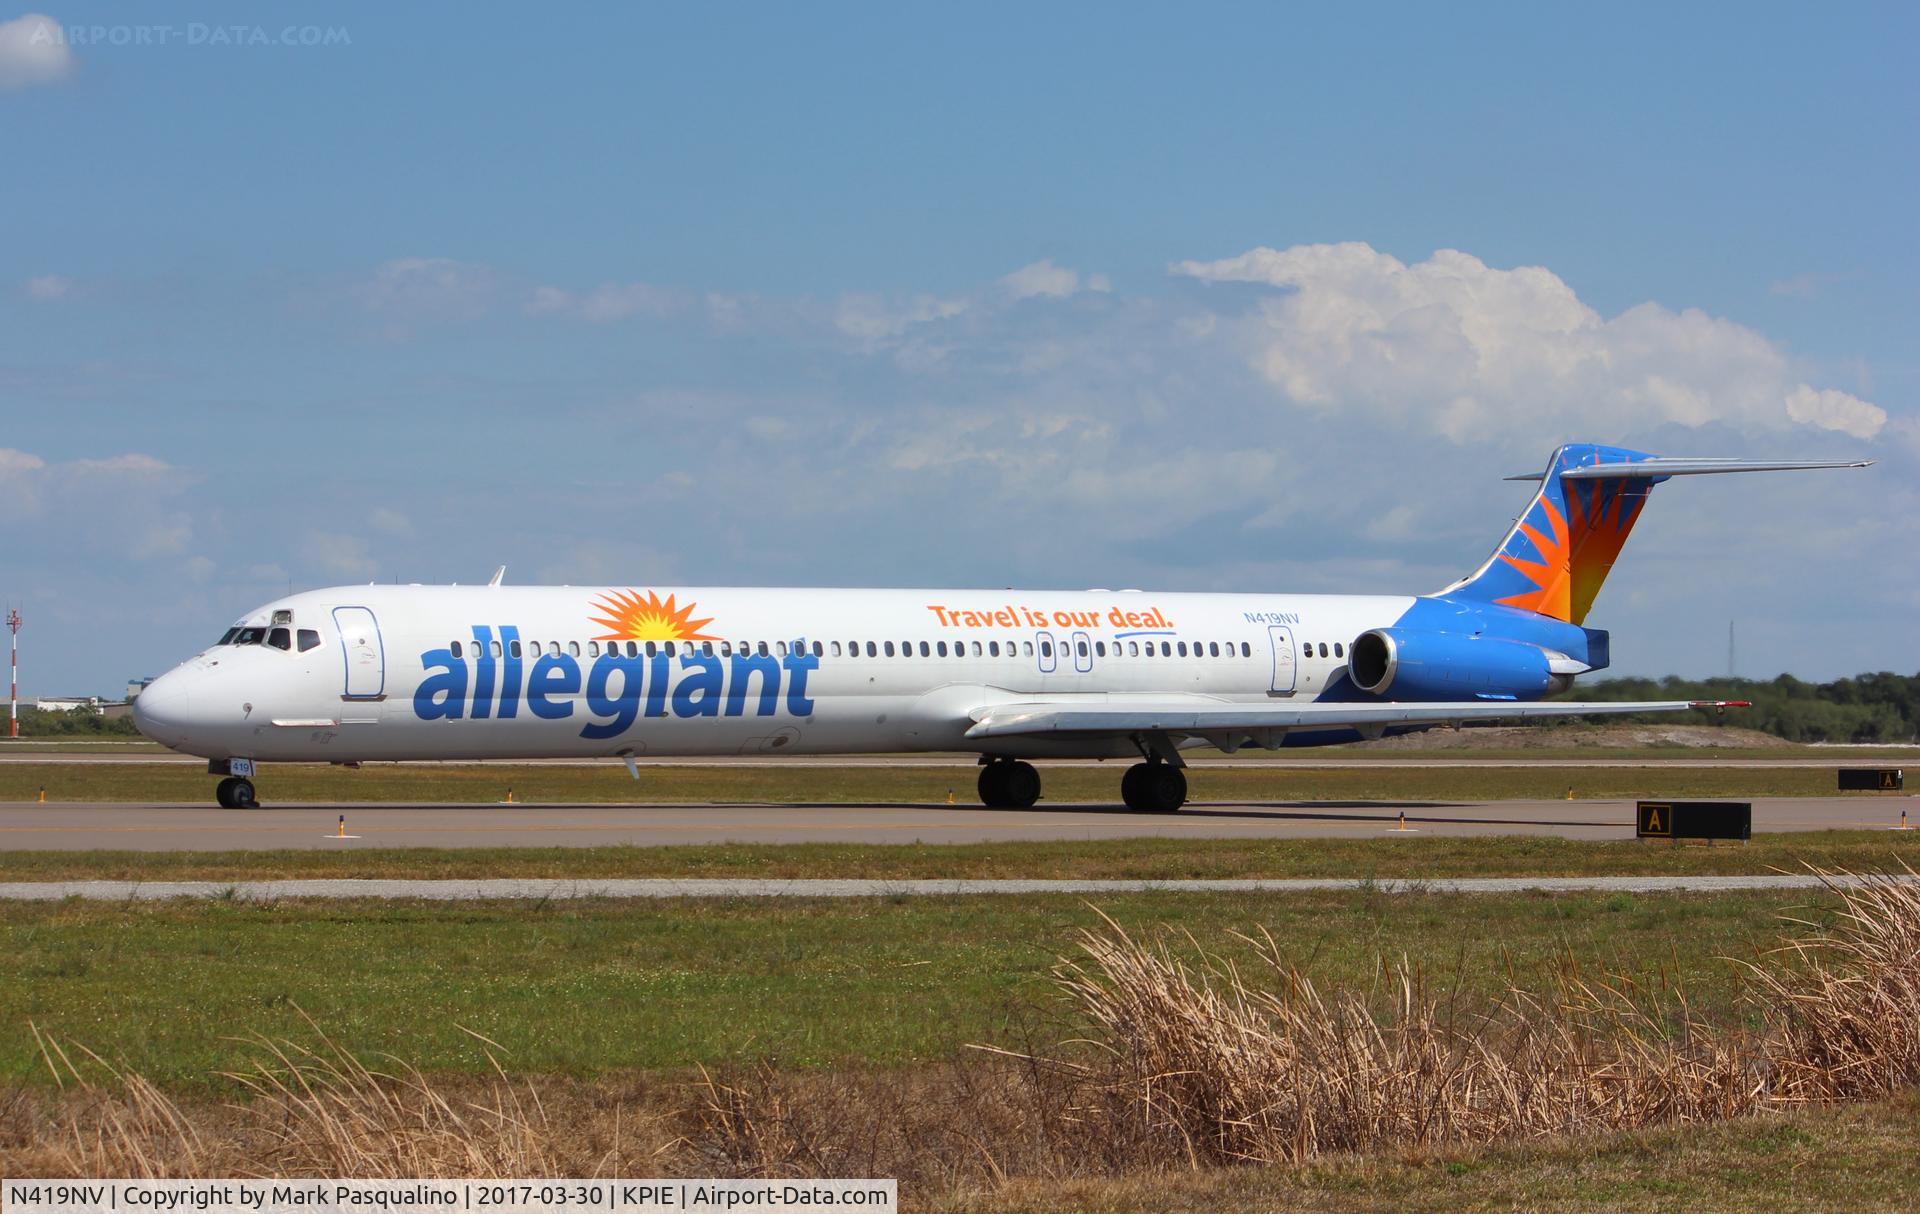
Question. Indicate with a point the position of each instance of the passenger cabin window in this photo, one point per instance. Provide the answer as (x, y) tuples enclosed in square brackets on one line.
[(309, 639), (872, 649), (1213, 649), (280, 638), (889, 648), (1046, 649), (593, 649), (453, 649), (819, 651), (1080, 648), (1099, 649), (1246, 649), (573, 648)]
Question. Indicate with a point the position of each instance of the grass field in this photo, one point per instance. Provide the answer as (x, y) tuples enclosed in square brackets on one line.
[(588, 988), (782, 784), (1401, 858)]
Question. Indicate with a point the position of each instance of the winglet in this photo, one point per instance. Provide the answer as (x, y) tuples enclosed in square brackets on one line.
[(497, 575)]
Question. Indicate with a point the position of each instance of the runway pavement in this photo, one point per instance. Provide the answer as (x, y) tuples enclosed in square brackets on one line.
[(65, 826), (520, 889)]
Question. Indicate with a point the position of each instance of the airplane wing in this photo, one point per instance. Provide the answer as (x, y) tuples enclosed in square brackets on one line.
[(1265, 724)]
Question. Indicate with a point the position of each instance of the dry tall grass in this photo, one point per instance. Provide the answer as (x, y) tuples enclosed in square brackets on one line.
[(308, 1110), (1191, 1062), (1218, 1068)]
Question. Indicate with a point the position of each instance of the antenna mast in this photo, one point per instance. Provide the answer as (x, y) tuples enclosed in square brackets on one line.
[(13, 681)]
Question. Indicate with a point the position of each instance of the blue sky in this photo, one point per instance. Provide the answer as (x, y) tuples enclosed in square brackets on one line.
[(878, 295)]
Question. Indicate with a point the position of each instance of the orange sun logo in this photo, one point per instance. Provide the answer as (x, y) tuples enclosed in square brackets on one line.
[(632, 617)]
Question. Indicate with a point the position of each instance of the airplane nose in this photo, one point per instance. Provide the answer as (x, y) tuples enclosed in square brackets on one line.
[(162, 711)]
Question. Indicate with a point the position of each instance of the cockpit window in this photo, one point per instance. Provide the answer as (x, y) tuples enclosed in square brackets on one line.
[(309, 639), (226, 638), (250, 636), (281, 638)]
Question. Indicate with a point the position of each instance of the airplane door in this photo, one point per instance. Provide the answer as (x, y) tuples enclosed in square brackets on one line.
[(1043, 647), (363, 653), (1284, 662), (1082, 653)]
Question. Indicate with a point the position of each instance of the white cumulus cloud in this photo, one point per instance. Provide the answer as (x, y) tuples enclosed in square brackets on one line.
[(1458, 347), (1041, 278), (873, 318), (33, 51), (411, 290), (87, 499), (608, 302), (1835, 410)]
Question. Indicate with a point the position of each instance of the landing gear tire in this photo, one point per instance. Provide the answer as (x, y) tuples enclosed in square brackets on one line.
[(1154, 788), (235, 793), (1009, 784)]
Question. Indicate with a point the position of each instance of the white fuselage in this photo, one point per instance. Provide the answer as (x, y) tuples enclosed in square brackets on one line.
[(445, 672)]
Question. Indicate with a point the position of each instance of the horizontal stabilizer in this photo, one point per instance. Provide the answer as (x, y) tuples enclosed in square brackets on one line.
[(1661, 467)]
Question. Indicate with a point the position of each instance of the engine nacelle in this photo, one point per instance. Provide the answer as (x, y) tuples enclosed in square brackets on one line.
[(1418, 665)]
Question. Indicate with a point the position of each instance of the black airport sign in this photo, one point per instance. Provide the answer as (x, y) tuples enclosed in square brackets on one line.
[(1872, 779), (1694, 820)]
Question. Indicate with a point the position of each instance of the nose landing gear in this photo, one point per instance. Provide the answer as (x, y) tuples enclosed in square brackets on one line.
[(236, 793)]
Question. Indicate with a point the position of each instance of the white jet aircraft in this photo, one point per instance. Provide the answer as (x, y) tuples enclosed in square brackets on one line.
[(357, 673)]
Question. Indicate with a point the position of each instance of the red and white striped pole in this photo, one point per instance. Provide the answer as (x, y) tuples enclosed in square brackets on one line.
[(13, 673)]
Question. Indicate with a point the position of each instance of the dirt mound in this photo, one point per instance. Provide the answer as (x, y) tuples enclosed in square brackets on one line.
[(1574, 737)]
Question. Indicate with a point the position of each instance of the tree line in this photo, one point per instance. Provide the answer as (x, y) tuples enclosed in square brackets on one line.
[(1883, 707), (79, 723)]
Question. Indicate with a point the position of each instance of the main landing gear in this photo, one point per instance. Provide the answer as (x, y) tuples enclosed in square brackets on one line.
[(1009, 784), (236, 793), (1154, 787)]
